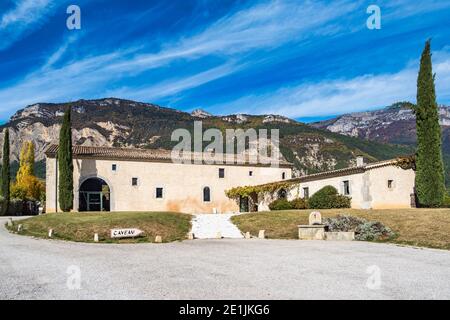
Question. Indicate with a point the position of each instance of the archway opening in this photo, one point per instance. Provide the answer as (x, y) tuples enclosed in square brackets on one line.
[(94, 195)]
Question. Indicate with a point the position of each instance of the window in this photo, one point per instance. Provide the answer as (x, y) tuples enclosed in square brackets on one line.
[(346, 187), (114, 167), (283, 175), (282, 194), (250, 173), (134, 181), (306, 193), (390, 184), (206, 194), (159, 193), (221, 173)]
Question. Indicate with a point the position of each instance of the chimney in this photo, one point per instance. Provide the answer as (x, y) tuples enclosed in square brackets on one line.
[(360, 161)]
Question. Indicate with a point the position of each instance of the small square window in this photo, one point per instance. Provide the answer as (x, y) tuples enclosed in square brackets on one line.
[(159, 193), (306, 192), (114, 167), (221, 173), (250, 173), (390, 184), (134, 181)]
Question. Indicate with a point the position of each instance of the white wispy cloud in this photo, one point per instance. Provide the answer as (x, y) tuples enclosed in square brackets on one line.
[(338, 96), (263, 26), (25, 15), (173, 86)]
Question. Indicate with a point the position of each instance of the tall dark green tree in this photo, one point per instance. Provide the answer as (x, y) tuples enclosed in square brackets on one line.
[(65, 164), (430, 184), (6, 176)]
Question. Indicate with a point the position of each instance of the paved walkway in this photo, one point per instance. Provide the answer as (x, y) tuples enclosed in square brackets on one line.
[(219, 269), (209, 226)]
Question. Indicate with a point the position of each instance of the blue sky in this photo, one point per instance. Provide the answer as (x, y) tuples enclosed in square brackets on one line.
[(307, 60)]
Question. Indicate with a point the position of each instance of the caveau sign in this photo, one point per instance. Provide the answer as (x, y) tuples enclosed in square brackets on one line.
[(125, 233)]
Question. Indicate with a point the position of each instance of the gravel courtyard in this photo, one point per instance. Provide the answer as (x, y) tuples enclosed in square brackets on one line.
[(219, 269)]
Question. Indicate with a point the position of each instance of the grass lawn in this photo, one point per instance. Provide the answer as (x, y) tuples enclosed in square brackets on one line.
[(81, 227), (418, 227)]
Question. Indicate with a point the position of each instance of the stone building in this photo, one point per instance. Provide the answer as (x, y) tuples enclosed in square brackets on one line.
[(379, 185), (127, 179)]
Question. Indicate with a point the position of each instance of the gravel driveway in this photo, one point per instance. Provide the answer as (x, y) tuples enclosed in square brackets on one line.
[(219, 269)]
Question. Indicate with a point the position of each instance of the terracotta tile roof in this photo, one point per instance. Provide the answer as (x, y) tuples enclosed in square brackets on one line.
[(346, 171), (135, 154)]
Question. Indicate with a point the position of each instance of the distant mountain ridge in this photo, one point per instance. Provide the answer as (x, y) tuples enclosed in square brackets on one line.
[(125, 123), (395, 124)]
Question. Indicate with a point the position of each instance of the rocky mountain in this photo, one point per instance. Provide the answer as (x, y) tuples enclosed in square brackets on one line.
[(199, 113), (395, 124), (124, 123)]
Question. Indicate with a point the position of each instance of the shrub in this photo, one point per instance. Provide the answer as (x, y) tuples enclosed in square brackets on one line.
[(373, 231), (15, 207), (364, 230), (446, 203), (19, 207), (343, 223), (341, 201), (328, 198), (280, 204), (299, 203)]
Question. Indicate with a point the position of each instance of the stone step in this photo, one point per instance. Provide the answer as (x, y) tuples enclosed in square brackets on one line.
[(212, 226)]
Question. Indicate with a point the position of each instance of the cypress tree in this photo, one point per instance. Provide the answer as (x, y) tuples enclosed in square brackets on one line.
[(65, 164), (430, 184), (6, 179)]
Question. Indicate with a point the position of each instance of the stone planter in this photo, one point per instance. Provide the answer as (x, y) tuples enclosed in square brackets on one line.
[(340, 236), (311, 232)]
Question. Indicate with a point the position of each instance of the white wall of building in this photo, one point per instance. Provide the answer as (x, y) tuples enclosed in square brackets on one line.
[(368, 190), (182, 184)]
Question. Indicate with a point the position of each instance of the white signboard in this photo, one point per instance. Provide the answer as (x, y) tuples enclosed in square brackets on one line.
[(125, 233)]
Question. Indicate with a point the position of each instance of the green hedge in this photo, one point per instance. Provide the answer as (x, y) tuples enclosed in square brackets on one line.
[(299, 204), (280, 204), (18, 207), (283, 204), (328, 198)]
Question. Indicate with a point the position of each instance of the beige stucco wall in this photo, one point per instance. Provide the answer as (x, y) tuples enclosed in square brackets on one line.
[(368, 190), (399, 196), (182, 183)]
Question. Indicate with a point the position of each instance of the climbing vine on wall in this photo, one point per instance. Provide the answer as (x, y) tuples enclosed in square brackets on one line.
[(408, 162), (249, 191)]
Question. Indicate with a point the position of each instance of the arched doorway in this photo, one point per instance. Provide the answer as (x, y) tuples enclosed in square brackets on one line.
[(282, 194), (94, 195)]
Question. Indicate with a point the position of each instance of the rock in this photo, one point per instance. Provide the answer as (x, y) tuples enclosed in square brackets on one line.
[(247, 235), (199, 113), (158, 239), (261, 234)]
